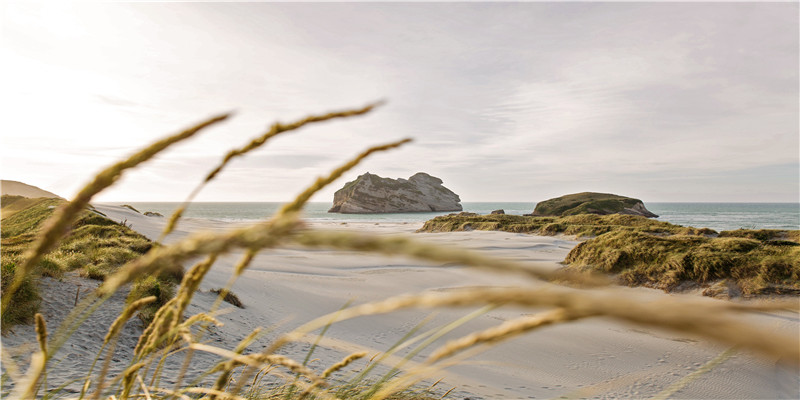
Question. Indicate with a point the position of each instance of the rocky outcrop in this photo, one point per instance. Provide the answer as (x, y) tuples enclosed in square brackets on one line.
[(501, 211), (591, 203), (372, 194)]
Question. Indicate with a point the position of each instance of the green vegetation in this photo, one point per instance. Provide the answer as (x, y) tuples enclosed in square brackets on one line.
[(658, 254), (756, 266), (95, 248), (583, 225), (584, 203)]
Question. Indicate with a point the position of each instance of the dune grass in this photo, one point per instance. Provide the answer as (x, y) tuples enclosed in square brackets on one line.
[(645, 252), (581, 225), (754, 266), (247, 373), (94, 248)]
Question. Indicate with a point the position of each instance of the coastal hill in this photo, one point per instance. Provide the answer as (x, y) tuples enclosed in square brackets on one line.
[(14, 188), (371, 193), (591, 203)]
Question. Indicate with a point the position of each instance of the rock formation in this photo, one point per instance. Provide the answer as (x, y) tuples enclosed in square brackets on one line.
[(372, 194), (591, 203)]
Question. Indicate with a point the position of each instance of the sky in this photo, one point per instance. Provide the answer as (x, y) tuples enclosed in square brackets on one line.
[(694, 102)]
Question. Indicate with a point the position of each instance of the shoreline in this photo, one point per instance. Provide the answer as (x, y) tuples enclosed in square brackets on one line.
[(286, 287)]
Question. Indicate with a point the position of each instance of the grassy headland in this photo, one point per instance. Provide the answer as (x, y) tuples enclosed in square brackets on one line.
[(645, 252), (95, 247)]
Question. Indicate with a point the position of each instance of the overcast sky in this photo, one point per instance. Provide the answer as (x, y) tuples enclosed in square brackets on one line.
[(506, 102)]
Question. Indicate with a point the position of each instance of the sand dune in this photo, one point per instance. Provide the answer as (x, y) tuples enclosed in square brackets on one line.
[(15, 188), (284, 288)]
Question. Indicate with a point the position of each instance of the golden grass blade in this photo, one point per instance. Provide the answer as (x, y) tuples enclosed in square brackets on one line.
[(171, 393), (302, 198), (127, 313), (144, 387), (41, 337), (402, 245), (227, 367), (274, 130), (110, 340), (189, 285), (345, 362), (128, 377), (332, 369), (258, 360), (504, 331), (57, 225), (41, 333)]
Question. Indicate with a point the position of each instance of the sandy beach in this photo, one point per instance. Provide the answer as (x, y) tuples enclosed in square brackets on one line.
[(284, 288)]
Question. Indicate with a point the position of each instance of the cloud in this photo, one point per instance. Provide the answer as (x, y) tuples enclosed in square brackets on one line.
[(507, 101)]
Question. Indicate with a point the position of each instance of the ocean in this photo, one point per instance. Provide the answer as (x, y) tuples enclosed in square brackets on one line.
[(717, 216)]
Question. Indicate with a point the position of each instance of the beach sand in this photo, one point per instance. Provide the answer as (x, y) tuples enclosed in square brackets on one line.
[(285, 288)]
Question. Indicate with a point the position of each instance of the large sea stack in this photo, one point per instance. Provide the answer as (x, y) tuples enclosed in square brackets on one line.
[(370, 194), (591, 203)]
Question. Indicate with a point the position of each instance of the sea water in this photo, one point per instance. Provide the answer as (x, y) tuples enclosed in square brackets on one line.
[(717, 216)]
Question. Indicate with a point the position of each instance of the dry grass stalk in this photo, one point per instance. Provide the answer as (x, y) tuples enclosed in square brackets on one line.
[(110, 339), (401, 245), (258, 360), (228, 366), (58, 224), (190, 284), (243, 263), (41, 333), (505, 331), (200, 318), (274, 130), (345, 362), (332, 369), (157, 328), (128, 378), (127, 313)]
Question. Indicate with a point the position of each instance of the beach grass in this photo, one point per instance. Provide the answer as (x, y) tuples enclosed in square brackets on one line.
[(646, 252), (94, 248), (265, 373), (667, 262), (580, 225)]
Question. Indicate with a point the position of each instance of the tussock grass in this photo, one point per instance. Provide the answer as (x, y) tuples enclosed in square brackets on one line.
[(95, 247), (645, 252), (581, 225), (243, 372), (755, 266)]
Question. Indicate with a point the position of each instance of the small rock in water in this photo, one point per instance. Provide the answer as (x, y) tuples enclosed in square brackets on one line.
[(501, 211)]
